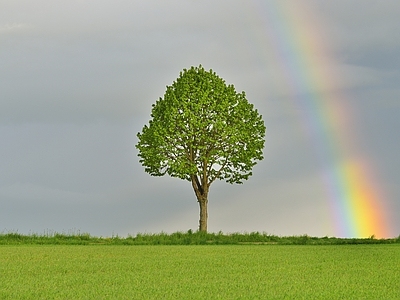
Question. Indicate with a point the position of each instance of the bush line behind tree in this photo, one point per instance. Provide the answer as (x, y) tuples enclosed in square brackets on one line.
[(183, 238)]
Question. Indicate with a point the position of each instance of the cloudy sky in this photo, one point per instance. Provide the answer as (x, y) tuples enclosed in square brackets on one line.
[(78, 78)]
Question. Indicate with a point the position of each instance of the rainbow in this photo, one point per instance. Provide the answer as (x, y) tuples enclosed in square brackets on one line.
[(300, 50)]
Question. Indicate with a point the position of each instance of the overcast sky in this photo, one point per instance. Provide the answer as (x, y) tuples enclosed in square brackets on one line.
[(78, 78)]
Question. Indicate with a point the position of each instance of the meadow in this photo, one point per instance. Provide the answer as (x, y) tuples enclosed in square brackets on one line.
[(181, 238), (362, 271)]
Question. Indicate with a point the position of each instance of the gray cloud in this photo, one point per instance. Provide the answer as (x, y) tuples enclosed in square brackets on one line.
[(78, 80)]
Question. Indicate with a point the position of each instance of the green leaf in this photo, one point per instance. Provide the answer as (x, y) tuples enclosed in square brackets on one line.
[(202, 127)]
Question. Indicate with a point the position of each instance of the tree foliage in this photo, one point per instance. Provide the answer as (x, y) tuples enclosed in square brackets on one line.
[(202, 127), (202, 130)]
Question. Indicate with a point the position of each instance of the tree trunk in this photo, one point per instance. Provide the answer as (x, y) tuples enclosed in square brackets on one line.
[(203, 214), (201, 192)]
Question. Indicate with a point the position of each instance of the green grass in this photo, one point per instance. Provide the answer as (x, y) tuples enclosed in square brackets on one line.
[(200, 272), (182, 238)]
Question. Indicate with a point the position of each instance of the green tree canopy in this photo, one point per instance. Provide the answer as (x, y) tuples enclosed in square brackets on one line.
[(202, 130)]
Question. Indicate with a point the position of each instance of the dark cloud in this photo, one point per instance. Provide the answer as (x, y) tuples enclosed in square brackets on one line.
[(78, 80)]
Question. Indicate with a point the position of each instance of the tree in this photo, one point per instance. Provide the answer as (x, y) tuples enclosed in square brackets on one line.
[(202, 130)]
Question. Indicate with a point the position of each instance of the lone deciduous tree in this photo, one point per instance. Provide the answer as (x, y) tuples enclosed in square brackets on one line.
[(202, 130)]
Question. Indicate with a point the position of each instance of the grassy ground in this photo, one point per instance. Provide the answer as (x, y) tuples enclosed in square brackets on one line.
[(200, 272), (182, 238)]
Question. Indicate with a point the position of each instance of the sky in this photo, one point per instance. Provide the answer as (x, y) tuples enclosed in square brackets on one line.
[(78, 78)]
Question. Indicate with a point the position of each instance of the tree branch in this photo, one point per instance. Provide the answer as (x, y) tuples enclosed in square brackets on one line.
[(219, 171)]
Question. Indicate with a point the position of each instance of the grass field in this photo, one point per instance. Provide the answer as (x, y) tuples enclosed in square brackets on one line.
[(182, 238), (200, 272)]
